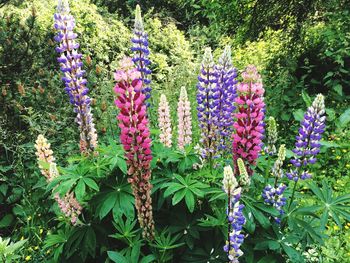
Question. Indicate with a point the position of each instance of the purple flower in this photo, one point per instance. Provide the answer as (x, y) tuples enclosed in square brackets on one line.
[(235, 216), (141, 53), (307, 144), (224, 100), (207, 92), (274, 196), (73, 76)]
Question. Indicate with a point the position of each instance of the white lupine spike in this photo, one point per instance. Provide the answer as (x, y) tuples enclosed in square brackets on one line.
[(184, 120), (164, 121)]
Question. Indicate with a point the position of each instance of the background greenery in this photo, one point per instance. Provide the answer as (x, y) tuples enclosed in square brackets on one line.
[(301, 48)]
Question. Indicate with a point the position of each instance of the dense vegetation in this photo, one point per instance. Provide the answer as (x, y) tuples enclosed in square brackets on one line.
[(300, 49)]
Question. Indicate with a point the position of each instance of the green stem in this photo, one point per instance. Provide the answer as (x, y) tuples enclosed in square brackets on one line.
[(293, 193)]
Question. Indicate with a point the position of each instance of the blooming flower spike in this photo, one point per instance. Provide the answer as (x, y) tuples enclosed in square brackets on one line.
[(141, 53), (135, 137), (225, 94), (249, 126), (207, 119), (184, 120), (164, 121), (73, 76), (68, 205), (271, 136), (307, 144), (235, 216)]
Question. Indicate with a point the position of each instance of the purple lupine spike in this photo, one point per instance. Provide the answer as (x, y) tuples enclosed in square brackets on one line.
[(225, 100), (75, 83), (141, 53), (207, 90), (274, 196), (235, 216), (307, 144)]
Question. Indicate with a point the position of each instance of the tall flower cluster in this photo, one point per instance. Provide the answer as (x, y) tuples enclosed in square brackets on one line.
[(135, 137), (235, 216), (248, 125), (307, 144), (207, 89), (184, 126), (273, 195), (224, 99), (68, 205), (75, 83), (164, 121), (141, 53), (271, 136)]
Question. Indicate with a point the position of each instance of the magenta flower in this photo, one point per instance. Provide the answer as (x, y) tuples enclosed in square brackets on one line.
[(248, 125), (135, 137)]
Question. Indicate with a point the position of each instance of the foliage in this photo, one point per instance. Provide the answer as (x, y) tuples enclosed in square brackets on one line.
[(300, 50)]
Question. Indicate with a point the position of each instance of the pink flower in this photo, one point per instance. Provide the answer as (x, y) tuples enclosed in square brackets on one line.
[(249, 129), (184, 120), (69, 204), (135, 137), (164, 121)]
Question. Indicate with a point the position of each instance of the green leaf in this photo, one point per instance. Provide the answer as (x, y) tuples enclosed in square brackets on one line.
[(107, 205), (178, 196), (267, 259), (117, 257), (298, 115), (338, 88), (306, 98), (344, 118), (189, 198), (293, 254), (263, 220), (6, 220), (80, 190), (148, 259), (91, 183)]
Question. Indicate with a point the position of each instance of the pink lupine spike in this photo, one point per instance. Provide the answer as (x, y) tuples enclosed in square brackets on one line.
[(184, 120), (135, 137), (249, 127)]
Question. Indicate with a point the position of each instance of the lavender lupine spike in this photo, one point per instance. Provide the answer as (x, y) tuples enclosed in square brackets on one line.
[(206, 98), (184, 120), (141, 53), (273, 195), (164, 121), (307, 144), (224, 100), (235, 217), (272, 134), (71, 66)]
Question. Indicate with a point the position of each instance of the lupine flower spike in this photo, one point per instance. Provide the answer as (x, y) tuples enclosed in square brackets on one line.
[(235, 217), (249, 126), (135, 137), (307, 144), (71, 66), (273, 195), (184, 120), (271, 136), (224, 100), (164, 121), (243, 174), (68, 205), (206, 98), (141, 53)]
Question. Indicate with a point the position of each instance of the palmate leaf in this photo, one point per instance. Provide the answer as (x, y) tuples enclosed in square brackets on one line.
[(331, 206), (184, 188), (119, 200)]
